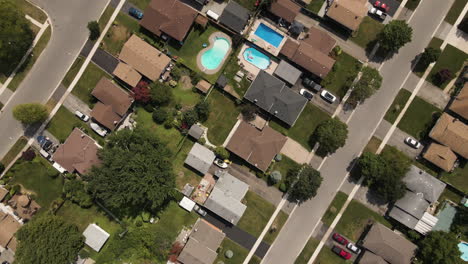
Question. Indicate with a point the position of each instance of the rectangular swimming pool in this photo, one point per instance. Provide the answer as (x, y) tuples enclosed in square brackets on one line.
[(269, 35)]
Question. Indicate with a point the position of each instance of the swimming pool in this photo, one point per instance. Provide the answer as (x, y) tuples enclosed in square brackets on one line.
[(463, 247), (269, 35), (256, 58), (212, 58)]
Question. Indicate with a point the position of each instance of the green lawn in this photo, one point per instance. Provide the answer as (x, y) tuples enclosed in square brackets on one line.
[(397, 106), (343, 73), (451, 59), (334, 208), (455, 10), (307, 251), (283, 166), (35, 177), (326, 256), (119, 33), (372, 145), (249, 4), (87, 82), (459, 177), (29, 9), (417, 118), (412, 4), (14, 151), (367, 31), (67, 80), (305, 126), (315, 5), (355, 219), (232, 67), (105, 17), (256, 215), (142, 4), (447, 194), (419, 69), (240, 253), (278, 223), (222, 117), (186, 97)]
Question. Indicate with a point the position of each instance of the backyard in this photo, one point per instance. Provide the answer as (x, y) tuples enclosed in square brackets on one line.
[(367, 32), (249, 4), (343, 73), (256, 215), (419, 118), (185, 96), (458, 178), (232, 67), (397, 106), (87, 82), (334, 208), (451, 59), (14, 151), (240, 253)]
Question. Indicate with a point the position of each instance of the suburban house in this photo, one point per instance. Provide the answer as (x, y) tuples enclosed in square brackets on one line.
[(348, 13), (202, 244), (144, 58), (113, 104), (77, 154), (441, 156), (312, 52), (423, 191), (286, 10), (287, 72), (95, 237), (257, 147), (169, 18), (273, 96), (127, 74), (200, 158), (452, 133), (387, 246), (226, 196), (460, 103), (235, 17), (8, 227)]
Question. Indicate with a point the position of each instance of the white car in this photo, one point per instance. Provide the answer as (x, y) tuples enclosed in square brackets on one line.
[(308, 95), (378, 13), (199, 210), (81, 116), (220, 163), (99, 130), (327, 96), (412, 142), (353, 248)]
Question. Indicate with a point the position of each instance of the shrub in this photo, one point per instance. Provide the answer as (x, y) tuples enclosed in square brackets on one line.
[(443, 76), (176, 73), (283, 187), (149, 108), (28, 155), (229, 254), (222, 153), (161, 94), (275, 177), (94, 31), (138, 223), (203, 110), (190, 117), (160, 115), (169, 123), (249, 112), (141, 92), (259, 174), (2, 167), (202, 141)]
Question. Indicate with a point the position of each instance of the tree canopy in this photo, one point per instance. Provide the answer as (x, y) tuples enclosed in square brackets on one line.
[(30, 113), (136, 172), (367, 85), (331, 134), (439, 247), (161, 94), (306, 185), (48, 239), (17, 36), (203, 110), (94, 31), (429, 56), (394, 35)]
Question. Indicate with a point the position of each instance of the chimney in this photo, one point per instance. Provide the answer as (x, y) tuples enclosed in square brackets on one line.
[(276, 112), (255, 100)]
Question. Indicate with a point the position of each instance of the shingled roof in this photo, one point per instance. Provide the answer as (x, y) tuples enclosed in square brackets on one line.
[(452, 133), (441, 156), (285, 9), (348, 13), (127, 74), (234, 16), (460, 103), (8, 227)]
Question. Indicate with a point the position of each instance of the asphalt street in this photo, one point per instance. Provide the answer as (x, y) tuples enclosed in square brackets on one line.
[(69, 19), (301, 223)]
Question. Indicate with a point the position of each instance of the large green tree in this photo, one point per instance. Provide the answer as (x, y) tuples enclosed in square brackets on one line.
[(136, 172), (367, 85), (48, 239), (307, 184), (439, 247), (394, 35), (30, 113), (161, 94), (429, 56), (331, 135), (15, 36)]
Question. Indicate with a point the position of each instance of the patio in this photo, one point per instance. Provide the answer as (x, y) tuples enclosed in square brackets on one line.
[(249, 67), (262, 43), (203, 189)]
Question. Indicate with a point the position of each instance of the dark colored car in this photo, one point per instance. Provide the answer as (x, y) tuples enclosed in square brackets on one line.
[(308, 95), (309, 83), (340, 252), (338, 238), (135, 13)]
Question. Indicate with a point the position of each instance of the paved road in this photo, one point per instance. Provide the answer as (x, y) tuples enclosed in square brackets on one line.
[(69, 20), (296, 232)]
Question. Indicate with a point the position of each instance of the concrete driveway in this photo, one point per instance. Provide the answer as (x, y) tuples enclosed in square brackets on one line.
[(397, 139)]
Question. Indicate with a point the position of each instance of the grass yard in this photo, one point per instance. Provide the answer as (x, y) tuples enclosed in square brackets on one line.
[(87, 82), (412, 4), (419, 69), (367, 31), (342, 74), (307, 251), (334, 208), (278, 223), (14, 151), (283, 166), (184, 96), (448, 194), (326, 256), (315, 5), (372, 145), (67, 80), (105, 17), (305, 126), (459, 177), (222, 117), (240, 253), (398, 104), (142, 4), (355, 219), (451, 59), (232, 67), (249, 4), (418, 118), (256, 215), (119, 33), (455, 10), (31, 10)]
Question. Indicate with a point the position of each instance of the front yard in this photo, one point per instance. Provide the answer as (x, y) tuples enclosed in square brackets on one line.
[(14, 151), (283, 166), (458, 178), (419, 69), (256, 215), (418, 119), (367, 32), (451, 59), (87, 82), (240, 253), (121, 30), (334, 208), (397, 106), (278, 223), (455, 10), (373, 145), (343, 73)]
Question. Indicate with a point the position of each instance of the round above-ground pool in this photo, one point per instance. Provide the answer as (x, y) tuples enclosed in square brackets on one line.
[(257, 58), (463, 247), (212, 58)]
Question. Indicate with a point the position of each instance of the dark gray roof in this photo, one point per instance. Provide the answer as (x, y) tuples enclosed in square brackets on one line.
[(419, 181), (222, 81), (403, 217), (234, 16), (272, 95), (200, 158), (196, 131), (414, 204), (287, 72)]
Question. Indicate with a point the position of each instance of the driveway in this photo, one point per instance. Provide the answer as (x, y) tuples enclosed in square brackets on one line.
[(392, 4), (295, 151), (101, 58), (73, 103), (69, 33), (397, 139)]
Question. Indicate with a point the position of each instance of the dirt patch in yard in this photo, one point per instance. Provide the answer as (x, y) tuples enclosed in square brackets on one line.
[(119, 33), (186, 82)]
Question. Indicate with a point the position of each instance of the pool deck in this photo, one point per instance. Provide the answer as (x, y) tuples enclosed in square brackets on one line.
[(262, 43), (212, 39), (249, 67)]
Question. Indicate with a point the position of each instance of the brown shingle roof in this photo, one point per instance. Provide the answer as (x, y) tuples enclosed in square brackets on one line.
[(254, 146), (8, 228), (285, 9), (320, 40), (79, 152), (289, 48), (203, 86), (348, 13), (127, 74), (452, 133), (441, 156), (460, 104), (169, 16), (144, 58), (370, 258), (3, 193)]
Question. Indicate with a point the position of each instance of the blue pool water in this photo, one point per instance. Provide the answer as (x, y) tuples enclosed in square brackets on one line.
[(212, 58), (269, 35), (463, 247), (256, 58)]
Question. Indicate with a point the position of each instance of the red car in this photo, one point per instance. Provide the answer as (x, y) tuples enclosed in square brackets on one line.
[(342, 253), (338, 238), (381, 6)]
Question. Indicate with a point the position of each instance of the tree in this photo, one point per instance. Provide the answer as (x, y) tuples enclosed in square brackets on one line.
[(222, 153), (459, 225), (463, 26), (141, 92), (367, 85), (439, 247), (429, 56), (30, 113), (307, 184), (75, 191), (275, 177), (331, 135), (203, 110), (160, 115), (48, 239), (394, 35), (17, 36), (94, 31), (136, 172), (443, 76), (190, 117), (161, 94), (249, 112)]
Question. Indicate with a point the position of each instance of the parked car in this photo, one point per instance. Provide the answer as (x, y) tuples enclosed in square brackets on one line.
[(341, 252), (382, 6), (378, 13), (353, 248), (338, 238), (412, 142), (81, 116), (135, 13), (327, 96), (199, 210), (44, 142), (98, 129), (45, 154), (220, 163), (308, 95), (309, 83)]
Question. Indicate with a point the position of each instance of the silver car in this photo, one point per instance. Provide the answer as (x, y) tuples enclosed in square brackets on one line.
[(327, 96), (412, 142), (81, 116), (353, 248)]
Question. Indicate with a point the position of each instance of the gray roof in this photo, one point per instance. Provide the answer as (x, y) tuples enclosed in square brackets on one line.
[(272, 95), (196, 131), (200, 158), (234, 16), (225, 198), (370, 258), (403, 217), (419, 181), (287, 72), (95, 237), (414, 204)]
